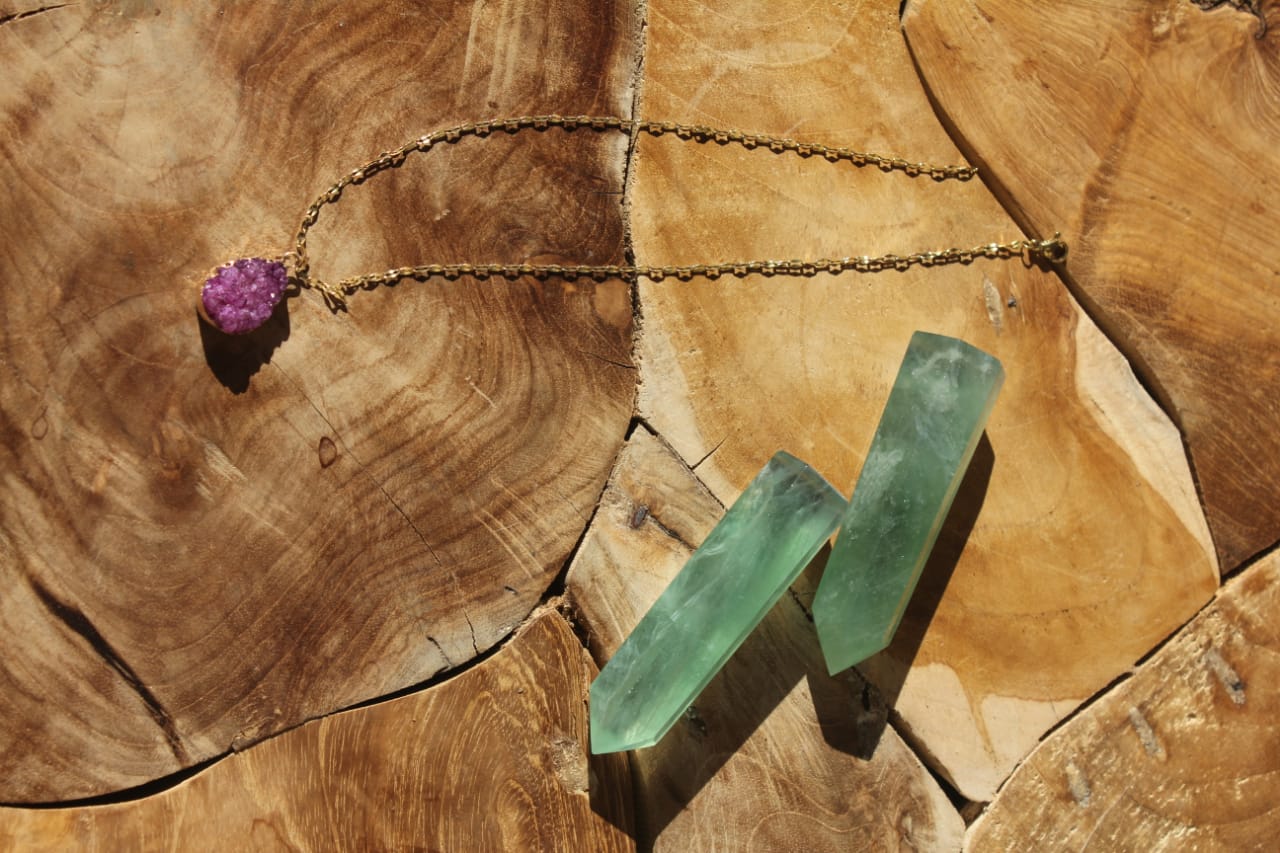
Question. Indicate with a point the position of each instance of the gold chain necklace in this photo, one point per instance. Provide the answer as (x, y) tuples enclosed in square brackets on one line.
[(246, 286)]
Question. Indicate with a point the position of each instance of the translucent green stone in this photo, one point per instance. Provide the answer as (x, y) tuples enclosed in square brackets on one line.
[(935, 415), (747, 561)]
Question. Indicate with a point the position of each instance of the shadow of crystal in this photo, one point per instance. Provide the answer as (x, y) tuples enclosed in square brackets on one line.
[(234, 359), (892, 665)]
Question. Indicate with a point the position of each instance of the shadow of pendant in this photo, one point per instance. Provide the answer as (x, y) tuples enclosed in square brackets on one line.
[(234, 359)]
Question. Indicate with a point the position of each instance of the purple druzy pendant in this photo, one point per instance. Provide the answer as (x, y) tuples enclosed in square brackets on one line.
[(240, 296)]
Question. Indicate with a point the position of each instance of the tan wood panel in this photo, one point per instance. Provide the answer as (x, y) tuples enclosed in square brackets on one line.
[(205, 541), (1146, 132), (774, 754), (1078, 542), (492, 760)]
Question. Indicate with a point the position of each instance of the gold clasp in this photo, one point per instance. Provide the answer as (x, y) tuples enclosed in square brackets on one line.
[(1053, 250)]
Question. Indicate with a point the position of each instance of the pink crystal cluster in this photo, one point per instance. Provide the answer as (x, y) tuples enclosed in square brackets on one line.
[(241, 296)]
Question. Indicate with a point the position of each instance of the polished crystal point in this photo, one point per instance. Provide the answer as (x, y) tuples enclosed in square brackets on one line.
[(728, 585), (935, 415)]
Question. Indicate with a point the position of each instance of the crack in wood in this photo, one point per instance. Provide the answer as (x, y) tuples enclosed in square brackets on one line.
[(608, 360), (808, 614), (708, 454), (81, 625), (364, 469), (662, 528), (433, 641), (30, 13), (472, 628)]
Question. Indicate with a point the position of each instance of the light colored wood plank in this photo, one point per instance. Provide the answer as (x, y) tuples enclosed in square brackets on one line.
[(493, 760), (1087, 544), (1146, 133), (370, 498), (774, 755), (1185, 755)]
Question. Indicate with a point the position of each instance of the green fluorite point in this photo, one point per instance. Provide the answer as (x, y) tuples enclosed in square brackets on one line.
[(748, 560), (935, 415)]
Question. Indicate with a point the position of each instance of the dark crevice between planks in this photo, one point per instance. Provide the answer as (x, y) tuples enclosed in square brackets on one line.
[(1083, 706), (628, 190), (966, 808), (164, 783), (80, 624), (1142, 371), (1229, 576), (581, 629), (126, 795), (1249, 563), (1125, 676), (643, 514), (555, 595), (554, 592), (552, 597)]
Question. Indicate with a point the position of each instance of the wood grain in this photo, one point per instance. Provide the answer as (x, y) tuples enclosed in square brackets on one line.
[(1077, 543), (1185, 755), (206, 541), (493, 760), (1146, 133), (774, 754)]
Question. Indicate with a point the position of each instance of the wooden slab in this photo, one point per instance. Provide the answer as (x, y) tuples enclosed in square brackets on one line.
[(202, 541), (774, 755), (1184, 755), (494, 759), (1077, 543), (1146, 133)]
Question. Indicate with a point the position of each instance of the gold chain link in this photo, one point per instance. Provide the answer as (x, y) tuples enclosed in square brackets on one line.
[(1053, 250)]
